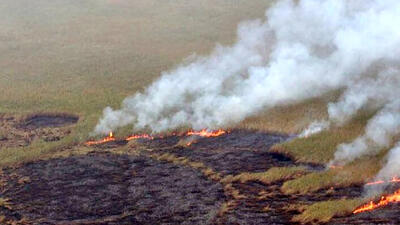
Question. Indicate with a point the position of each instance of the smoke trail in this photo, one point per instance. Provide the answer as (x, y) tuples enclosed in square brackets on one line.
[(379, 133), (389, 171), (301, 49), (392, 167), (314, 127)]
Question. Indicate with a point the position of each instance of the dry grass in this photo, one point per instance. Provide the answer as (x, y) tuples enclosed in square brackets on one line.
[(270, 176), (87, 56), (322, 212), (226, 207), (290, 118), (5, 202), (171, 158), (104, 54), (357, 172)]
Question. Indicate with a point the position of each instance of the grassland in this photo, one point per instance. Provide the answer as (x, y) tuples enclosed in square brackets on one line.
[(80, 58), (322, 212)]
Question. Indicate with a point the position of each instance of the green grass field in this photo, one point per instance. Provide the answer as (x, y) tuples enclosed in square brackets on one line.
[(62, 57)]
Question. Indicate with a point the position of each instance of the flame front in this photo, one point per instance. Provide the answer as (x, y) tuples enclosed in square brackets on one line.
[(104, 140), (139, 136), (206, 133), (112, 138), (202, 133), (393, 180), (335, 167), (385, 200)]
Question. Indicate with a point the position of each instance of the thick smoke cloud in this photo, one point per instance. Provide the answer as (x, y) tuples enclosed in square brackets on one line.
[(301, 49)]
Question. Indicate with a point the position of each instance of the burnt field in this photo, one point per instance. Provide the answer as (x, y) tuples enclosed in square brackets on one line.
[(22, 131), (162, 181)]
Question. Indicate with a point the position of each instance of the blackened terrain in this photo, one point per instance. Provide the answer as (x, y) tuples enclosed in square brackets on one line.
[(106, 187)]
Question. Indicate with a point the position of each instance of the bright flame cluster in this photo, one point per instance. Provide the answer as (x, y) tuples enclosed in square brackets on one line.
[(104, 140), (139, 136), (206, 133), (112, 138), (385, 200)]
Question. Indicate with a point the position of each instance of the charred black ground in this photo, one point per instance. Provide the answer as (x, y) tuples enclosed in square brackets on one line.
[(19, 132), (115, 188), (48, 120), (136, 187)]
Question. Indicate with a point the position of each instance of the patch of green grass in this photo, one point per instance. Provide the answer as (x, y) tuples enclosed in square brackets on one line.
[(37, 150), (289, 118), (272, 175), (322, 212), (321, 147), (357, 172)]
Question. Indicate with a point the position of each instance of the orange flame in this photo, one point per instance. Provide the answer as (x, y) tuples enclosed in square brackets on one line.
[(104, 140), (335, 167), (393, 180), (385, 200), (375, 182), (139, 136), (206, 133), (202, 133)]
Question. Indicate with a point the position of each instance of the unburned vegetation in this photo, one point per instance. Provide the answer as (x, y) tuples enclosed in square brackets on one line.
[(55, 86)]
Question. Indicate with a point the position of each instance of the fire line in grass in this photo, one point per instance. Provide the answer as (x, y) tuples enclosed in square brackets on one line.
[(104, 140), (206, 133), (393, 180), (201, 133), (385, 200)]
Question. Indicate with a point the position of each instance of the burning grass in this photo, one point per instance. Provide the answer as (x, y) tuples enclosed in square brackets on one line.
[(57, 90), (385, 200)]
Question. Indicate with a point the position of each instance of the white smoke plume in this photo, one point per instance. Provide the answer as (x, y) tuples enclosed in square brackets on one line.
[(392, 167), (314, 128), (371, 92), (379, 133), (389, 171), (301, 49)]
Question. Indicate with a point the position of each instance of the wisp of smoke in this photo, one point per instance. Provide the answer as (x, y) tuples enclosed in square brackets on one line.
[(387, 173), (313, 128), (379, 133), (301, 49)]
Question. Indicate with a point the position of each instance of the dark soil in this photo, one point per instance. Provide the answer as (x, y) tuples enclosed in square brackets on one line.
[(234, 153), (118, 189), (107, 188), (266, 204), (48, 120), (15, 132)]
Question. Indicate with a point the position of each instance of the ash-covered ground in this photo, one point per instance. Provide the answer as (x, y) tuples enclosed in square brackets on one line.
[(108, 186), (20, 132)]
